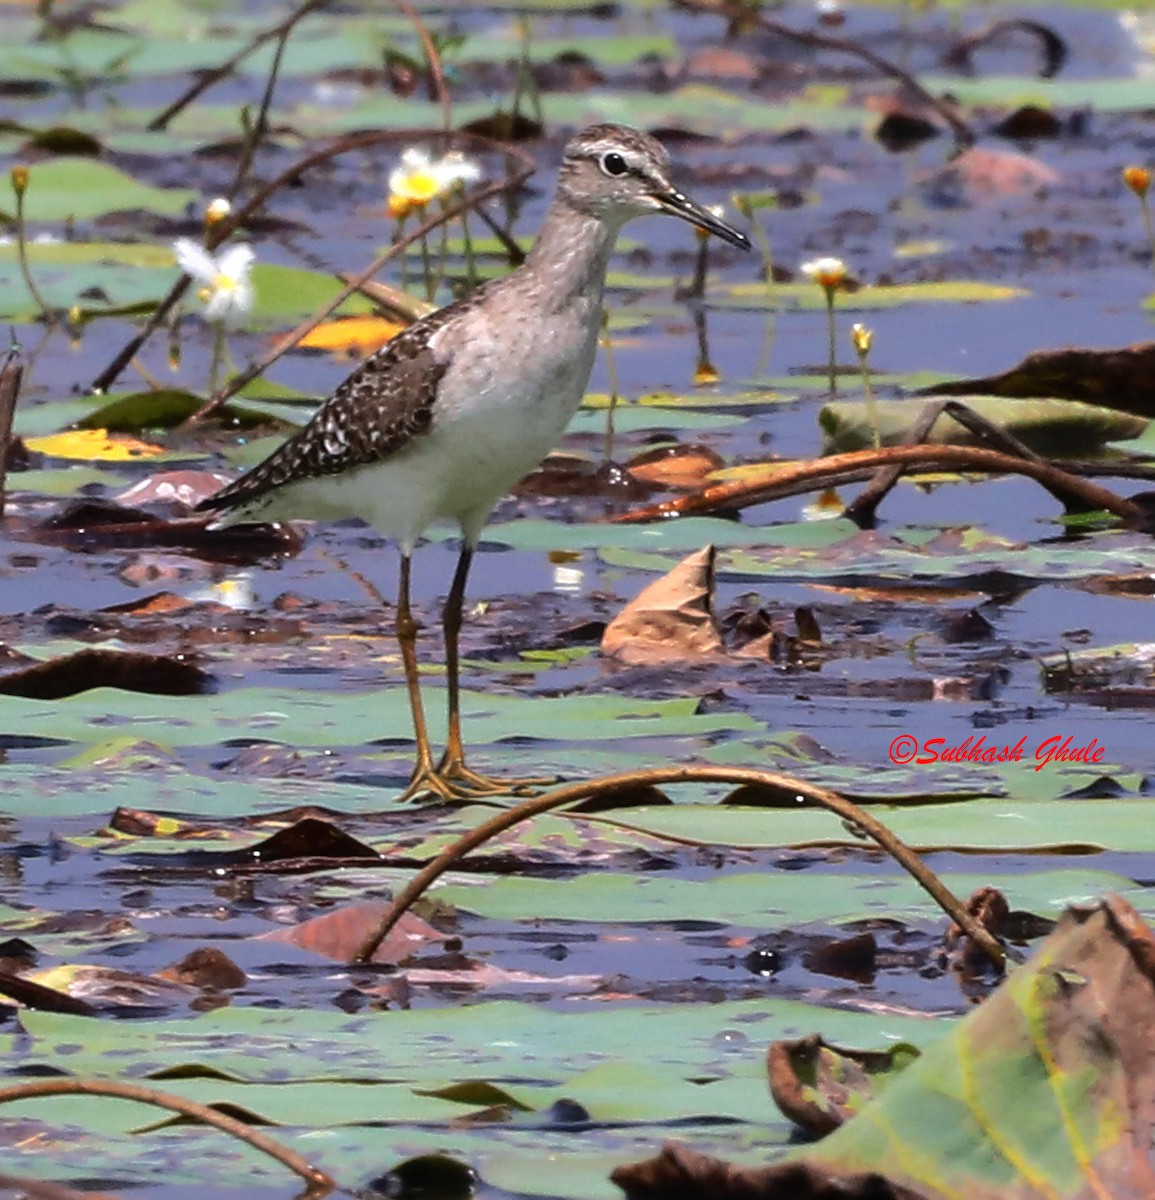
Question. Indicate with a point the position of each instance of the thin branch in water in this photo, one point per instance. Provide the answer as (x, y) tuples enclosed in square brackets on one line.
[(261, 124), (861, 510), (735, 11), (439, 91), (219, 399), (655, 776), (11, 375), (319, 1182), (222, 229), (209, 78), (816, 475)]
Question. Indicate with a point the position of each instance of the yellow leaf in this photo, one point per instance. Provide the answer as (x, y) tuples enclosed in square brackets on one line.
[(91, 445), (362, 335)]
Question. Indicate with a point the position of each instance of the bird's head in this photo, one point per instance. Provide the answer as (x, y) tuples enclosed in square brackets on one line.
[(614, 173)]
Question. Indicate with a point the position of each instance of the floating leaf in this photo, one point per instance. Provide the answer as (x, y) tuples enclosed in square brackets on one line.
[(864, 299), (1117, 378), (1047, 426), (1042, 1090), (357, 335), (78, 189), (672, 621), (93, 445), (290, 293), (69, 274), (161, 409)]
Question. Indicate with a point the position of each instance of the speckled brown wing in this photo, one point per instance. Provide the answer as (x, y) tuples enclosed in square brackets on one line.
[(385, 403)]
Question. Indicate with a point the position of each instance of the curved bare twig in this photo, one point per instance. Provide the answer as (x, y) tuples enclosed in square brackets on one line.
[(433, 58), (789, 480), (744, 14), (319, 1182), (206, 79), (653, 776)]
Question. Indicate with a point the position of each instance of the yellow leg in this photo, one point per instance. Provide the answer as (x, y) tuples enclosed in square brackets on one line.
[(426, 777), (452, 768)]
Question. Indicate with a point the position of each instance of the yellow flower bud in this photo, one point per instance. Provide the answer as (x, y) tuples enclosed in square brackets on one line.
[(19, 179), (861, 337), (400, 207), (705, 373), (1138, 179), (216, 211)]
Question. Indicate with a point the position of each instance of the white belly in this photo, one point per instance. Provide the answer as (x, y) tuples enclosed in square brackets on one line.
[(516, 372), (489, 430)]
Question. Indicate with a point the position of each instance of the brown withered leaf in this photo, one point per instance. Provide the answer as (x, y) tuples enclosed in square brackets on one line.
[(901, 130), (820, 1086), (339, 934), (679, 1173), (675, 466), (672, 620), (990, 908), (1028, 123), (159, 604), (308, 839), (622, 797), (853, 958), (1119, 379), (138, 822), (109, 988), (1057, 1065), (207, 967), (155, 674), (505, 127), (90, 524), (984, 175), (180, 491)]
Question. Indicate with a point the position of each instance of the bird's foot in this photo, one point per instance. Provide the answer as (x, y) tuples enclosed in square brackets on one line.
[(474, 783), (432, 781)]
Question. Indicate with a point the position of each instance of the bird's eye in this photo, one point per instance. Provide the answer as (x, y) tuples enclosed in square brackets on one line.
[(613, 163)]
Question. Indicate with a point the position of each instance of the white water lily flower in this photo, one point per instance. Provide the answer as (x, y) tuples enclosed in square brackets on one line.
[(828, 273), (421, 178), (227, 292)]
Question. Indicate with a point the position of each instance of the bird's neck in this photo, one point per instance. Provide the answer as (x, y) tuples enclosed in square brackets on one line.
[(570, 256)]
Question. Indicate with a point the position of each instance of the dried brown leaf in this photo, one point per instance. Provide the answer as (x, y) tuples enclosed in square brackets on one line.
[(672, 620), (339, 934)]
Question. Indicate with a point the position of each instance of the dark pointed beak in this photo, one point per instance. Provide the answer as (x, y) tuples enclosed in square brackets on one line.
[(678, 205)]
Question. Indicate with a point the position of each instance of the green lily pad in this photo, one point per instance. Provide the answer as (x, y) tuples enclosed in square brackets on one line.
[(1051, 427), (806, 295), (78, 189)]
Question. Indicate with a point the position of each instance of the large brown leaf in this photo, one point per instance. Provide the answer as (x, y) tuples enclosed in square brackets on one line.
[(1047, 1090)]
